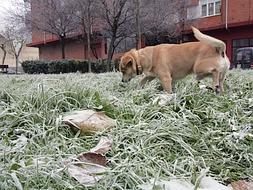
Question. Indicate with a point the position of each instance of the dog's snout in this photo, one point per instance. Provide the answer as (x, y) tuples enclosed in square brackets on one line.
[(125, 80)]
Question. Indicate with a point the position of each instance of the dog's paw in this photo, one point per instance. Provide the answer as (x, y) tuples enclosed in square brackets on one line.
[(217, 90)]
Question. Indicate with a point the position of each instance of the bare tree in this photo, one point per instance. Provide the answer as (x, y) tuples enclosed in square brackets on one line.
[(162, 18), (86, 17), (55, 17), (15, 32), (16, 37), (117, 16)]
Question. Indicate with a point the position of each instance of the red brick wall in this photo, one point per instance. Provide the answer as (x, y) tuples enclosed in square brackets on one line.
[(38, 36), (74, 50), (192, 2), (240, 12)]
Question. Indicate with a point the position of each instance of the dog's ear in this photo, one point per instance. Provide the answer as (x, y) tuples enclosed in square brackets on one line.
[(126, 61)]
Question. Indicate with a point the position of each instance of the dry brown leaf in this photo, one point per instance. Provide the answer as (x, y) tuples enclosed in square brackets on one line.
[(94, 158), (81, 175), (242, 185), (89, 121), (103, 146), (88, 168)]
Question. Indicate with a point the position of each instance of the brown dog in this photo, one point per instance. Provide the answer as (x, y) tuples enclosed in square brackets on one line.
[(170, 62)]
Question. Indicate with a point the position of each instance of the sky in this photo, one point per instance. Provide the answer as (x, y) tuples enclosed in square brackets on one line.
[(4, 4)]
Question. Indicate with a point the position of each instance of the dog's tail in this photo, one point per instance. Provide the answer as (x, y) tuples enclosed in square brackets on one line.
[(218, 44)]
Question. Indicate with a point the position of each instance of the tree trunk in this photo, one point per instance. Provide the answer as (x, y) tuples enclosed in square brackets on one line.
[(89, 51), (4, 56), (84, 48), (62, 41), (138, 26), (110, 53), (16, 59), (84, 35), (89, 36)]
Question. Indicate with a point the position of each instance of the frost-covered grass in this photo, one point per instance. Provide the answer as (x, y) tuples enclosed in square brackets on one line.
[(196, 130)]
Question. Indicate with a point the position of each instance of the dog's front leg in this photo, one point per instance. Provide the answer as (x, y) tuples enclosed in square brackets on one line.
[(222, 79), (166, 83), (145, 79)]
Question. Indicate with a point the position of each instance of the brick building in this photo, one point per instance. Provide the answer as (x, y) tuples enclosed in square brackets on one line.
[(75, 48), (228, 20)]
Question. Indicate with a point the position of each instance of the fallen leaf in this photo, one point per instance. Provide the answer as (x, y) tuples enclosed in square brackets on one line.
[(94, 158), (81, 175), (210, 183), (89, 167), (103, 146), (89, 121), (206, 183), (167, 185), (242, 185)]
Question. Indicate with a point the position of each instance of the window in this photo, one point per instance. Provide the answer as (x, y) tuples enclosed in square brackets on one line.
[(251, 42), (239, 55), (204, 10), (210, 7), (240, 43), (217, 7)]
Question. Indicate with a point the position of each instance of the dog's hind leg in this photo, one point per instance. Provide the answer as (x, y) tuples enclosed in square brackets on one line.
[(216, 81)]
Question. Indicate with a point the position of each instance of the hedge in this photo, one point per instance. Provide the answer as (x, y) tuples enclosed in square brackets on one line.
[(66, 66)]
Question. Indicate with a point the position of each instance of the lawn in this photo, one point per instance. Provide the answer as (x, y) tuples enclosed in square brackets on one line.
[(195, 130)]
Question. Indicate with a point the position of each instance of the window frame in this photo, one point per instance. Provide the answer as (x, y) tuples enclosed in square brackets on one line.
[(207, 4)]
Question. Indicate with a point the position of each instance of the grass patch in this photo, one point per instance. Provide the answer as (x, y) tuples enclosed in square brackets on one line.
[(196, 130)]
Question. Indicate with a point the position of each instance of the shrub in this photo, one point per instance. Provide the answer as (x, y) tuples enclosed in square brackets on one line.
[(54, 67), (66, 66)]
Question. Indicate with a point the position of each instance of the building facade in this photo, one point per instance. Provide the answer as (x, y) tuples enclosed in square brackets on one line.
[(227, 20)]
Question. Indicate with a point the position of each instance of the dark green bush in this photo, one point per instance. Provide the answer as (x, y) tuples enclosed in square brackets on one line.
[(66, 66)]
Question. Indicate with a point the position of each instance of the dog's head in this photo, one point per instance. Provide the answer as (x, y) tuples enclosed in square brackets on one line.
[(128, 66)]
